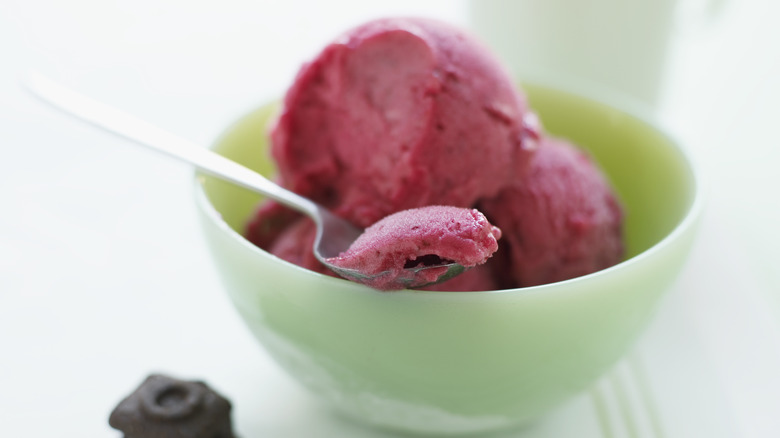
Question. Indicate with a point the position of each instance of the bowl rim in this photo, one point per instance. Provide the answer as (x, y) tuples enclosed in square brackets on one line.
[(616, 101)]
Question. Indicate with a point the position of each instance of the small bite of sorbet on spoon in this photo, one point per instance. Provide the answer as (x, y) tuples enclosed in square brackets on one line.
[(420, 246)]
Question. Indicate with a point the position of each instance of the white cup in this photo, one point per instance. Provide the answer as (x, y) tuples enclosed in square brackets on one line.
[(620, 45)]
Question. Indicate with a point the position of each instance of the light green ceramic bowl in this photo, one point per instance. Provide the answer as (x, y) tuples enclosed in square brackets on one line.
[(448, 362)]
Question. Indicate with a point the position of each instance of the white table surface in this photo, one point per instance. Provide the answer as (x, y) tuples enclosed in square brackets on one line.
[(104, 276)]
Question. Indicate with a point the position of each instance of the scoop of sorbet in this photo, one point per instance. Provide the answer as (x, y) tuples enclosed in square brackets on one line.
[(420, 237), (561, 220), (394, 114)]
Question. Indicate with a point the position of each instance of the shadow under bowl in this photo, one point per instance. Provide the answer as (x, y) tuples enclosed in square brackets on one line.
[(463, 362)]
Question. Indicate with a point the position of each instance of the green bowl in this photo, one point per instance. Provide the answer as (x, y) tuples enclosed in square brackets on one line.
[(464, 362)]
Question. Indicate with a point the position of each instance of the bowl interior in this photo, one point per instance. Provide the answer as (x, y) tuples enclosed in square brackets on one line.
[(651, 175)]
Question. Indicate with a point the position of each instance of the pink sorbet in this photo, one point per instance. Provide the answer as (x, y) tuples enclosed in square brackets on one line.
[(402, 113), (560, 221), (421, 237)]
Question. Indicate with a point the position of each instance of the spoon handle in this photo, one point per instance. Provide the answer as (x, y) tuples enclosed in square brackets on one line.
[(125, 125)]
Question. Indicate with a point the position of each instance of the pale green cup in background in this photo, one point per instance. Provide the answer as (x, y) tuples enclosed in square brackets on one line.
[(619, 45)]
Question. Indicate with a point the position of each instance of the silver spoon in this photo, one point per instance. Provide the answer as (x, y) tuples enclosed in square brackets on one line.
[(334, 235)]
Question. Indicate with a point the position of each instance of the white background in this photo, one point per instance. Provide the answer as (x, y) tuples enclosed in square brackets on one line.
[(104, 277)]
